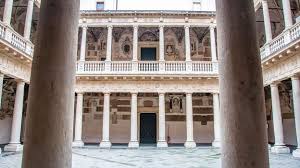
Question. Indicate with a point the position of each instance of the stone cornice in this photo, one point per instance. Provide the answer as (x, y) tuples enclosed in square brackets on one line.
[(145, 13)]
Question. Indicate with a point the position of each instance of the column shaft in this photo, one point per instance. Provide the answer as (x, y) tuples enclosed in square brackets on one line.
[(50, 111), (162, 122), (7, 11), (14, 144), (296, 103), (287, 13), (1, 88), (217, 120), (187, 44), (241, 87), (277, 121), (133, 122), (83, 43), (28, 21), (267, 21), (109, 43), (135, 43), (190, 143), (78, 121), (161, 44), (213, 44), (105, 143)]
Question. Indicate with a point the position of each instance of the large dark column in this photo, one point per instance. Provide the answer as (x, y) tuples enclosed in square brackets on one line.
[(49, 123), (244, 140)]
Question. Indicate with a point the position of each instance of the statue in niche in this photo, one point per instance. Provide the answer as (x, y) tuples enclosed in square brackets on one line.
[(126, 47), (176, 104), (170, 50), (114, 118)]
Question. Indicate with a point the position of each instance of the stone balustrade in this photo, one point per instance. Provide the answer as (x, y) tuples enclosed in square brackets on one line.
[(147, 67), (284, 40), (8, 35)]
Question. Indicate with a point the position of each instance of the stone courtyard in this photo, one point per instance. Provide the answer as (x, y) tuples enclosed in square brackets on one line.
[(150, 157)]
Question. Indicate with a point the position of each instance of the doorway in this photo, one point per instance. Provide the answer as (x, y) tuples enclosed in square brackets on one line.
[(148, 128), (148, 54)]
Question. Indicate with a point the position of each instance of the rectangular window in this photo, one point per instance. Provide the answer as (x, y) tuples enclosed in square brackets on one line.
[(99, 5)]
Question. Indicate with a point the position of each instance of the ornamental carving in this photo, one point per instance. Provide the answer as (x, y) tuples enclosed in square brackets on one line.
[(148, 34)]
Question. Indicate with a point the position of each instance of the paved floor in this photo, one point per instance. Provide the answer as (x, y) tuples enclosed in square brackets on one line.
[(148, 157)]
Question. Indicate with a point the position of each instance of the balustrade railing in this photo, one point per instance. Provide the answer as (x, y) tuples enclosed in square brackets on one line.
[(145, 67), (15, 39), (281, 41)]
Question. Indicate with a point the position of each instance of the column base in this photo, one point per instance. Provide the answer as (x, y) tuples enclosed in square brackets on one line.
[(133, 144), (216, 144), (269, 146), (105, 144), (162, 144), (296, 153), (190, 144), (280, 149), (13, 148), (77, 144)]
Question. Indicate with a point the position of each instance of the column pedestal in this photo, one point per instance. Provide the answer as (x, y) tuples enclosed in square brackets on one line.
[(296, 153), (78, 144), (216, 144), (162, 144), (105, 144), (190, 144), (13, 147), (133, 144), (280, 149)]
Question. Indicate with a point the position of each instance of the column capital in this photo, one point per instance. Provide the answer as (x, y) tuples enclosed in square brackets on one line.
[(295, 77), (161, 26), (84, 26), (161, 93), (20, 81), (189, 93), (135, 26), (215, 93), (1, 75), (106, 93), (80, 92), (110, 26), (274, 84), (134, 93), (212, 27), (187, 26)]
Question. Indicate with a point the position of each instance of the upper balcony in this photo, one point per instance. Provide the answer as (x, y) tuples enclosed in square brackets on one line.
[(170, 68), (281, 46), (13, 41)]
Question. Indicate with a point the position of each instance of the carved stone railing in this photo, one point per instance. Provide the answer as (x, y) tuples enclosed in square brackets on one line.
[(8, 35), (147, 67), (286, 38)]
